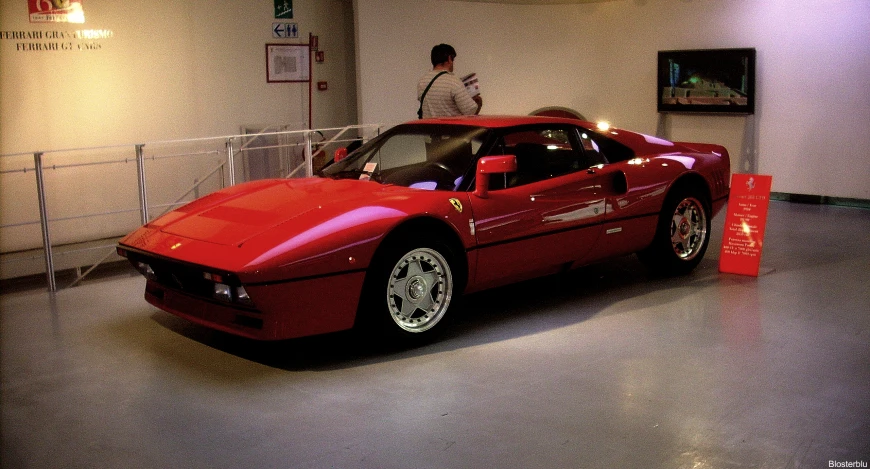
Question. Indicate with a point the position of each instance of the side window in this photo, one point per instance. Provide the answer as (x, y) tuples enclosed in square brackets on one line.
[(592, 149), (541, 154), (602, 150)]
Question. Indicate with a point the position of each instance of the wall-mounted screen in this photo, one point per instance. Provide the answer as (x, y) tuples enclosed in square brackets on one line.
[(707, 81)]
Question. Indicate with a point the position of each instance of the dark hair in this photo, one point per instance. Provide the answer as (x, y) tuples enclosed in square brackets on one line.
[(442, 53)]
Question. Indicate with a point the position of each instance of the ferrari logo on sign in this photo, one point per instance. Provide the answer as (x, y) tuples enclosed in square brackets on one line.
[(456, 204), (750, 183)]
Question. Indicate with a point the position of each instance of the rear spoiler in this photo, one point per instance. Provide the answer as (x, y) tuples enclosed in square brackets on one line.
[(705, 148)]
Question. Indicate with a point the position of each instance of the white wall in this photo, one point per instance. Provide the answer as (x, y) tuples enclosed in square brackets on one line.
[(169, 70), (813, 109)]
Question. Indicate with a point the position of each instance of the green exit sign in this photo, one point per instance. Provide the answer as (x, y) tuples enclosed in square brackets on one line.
[(283, 8)]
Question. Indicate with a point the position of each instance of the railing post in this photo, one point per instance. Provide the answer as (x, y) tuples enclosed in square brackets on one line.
[(309, 164), (43, 221), (143, 190), (231, 162)]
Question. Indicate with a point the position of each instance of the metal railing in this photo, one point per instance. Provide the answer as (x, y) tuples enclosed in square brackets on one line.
[(86, 194)]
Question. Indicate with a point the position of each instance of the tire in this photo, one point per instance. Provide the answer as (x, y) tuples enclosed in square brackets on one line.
[(682, 234), (409, 289)]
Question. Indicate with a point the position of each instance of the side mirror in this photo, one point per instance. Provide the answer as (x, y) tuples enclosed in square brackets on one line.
[(340, 154), (492, 165)]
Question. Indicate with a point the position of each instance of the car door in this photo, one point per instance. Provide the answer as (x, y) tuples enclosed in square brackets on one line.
[(545, 216)]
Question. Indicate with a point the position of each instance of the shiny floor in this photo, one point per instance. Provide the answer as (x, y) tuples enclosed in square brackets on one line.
[(603, 367)]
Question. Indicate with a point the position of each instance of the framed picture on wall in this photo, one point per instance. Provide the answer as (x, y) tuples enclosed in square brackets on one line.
[(288, 63), (706, 81)]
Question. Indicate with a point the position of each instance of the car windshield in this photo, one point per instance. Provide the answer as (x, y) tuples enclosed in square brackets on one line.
[(422, 156)]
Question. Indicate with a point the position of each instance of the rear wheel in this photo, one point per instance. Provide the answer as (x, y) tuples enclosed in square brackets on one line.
[(682, 235)]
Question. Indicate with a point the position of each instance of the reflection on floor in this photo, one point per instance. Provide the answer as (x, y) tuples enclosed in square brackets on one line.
[(599, 368)]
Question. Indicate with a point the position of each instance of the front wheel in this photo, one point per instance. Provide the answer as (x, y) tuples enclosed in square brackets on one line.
[(682, 235), (419, 290), (408, 290)]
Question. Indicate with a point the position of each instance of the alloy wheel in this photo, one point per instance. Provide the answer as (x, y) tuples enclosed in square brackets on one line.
[(419, 290)]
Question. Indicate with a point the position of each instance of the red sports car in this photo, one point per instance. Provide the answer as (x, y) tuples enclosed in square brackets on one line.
[(389, 235)]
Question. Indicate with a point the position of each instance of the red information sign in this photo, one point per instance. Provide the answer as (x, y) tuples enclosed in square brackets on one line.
[(744, 224)]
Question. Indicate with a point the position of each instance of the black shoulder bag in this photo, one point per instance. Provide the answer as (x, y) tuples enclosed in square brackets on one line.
[(420, 111)]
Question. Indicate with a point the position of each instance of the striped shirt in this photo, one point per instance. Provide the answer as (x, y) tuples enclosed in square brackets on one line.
[(446, 97)]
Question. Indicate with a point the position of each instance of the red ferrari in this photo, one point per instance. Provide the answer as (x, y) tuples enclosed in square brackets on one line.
[(389, 235)]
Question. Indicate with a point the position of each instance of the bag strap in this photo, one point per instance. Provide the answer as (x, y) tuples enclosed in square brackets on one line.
[(423, 96)]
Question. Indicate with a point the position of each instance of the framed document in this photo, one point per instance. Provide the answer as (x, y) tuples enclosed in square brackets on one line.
[(288, 63)]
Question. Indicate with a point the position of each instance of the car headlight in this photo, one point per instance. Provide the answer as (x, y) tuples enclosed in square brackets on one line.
[(145, 269), (223, 292), (242, 297), (227, 290)]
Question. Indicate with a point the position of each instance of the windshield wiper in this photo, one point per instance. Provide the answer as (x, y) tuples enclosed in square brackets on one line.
[(353, 174)]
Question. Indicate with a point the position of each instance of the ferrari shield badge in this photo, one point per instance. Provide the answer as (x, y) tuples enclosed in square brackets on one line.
[(456, 204)]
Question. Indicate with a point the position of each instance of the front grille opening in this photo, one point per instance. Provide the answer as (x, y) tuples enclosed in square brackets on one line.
[(189, 279), (247, 321)]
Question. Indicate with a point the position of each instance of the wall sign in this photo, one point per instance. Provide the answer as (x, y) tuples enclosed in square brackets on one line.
[(744, 224), (284, 9), (56, 41), (285, 30), (56, 11), (288, 63)]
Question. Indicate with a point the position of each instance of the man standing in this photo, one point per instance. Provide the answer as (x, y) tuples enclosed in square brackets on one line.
[(440, 92)]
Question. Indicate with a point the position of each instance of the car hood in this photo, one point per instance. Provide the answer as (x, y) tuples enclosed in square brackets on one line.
[(233, 217), (275, 230)]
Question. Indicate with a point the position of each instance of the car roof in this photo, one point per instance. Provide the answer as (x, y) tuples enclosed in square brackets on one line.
[(502, 121)]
